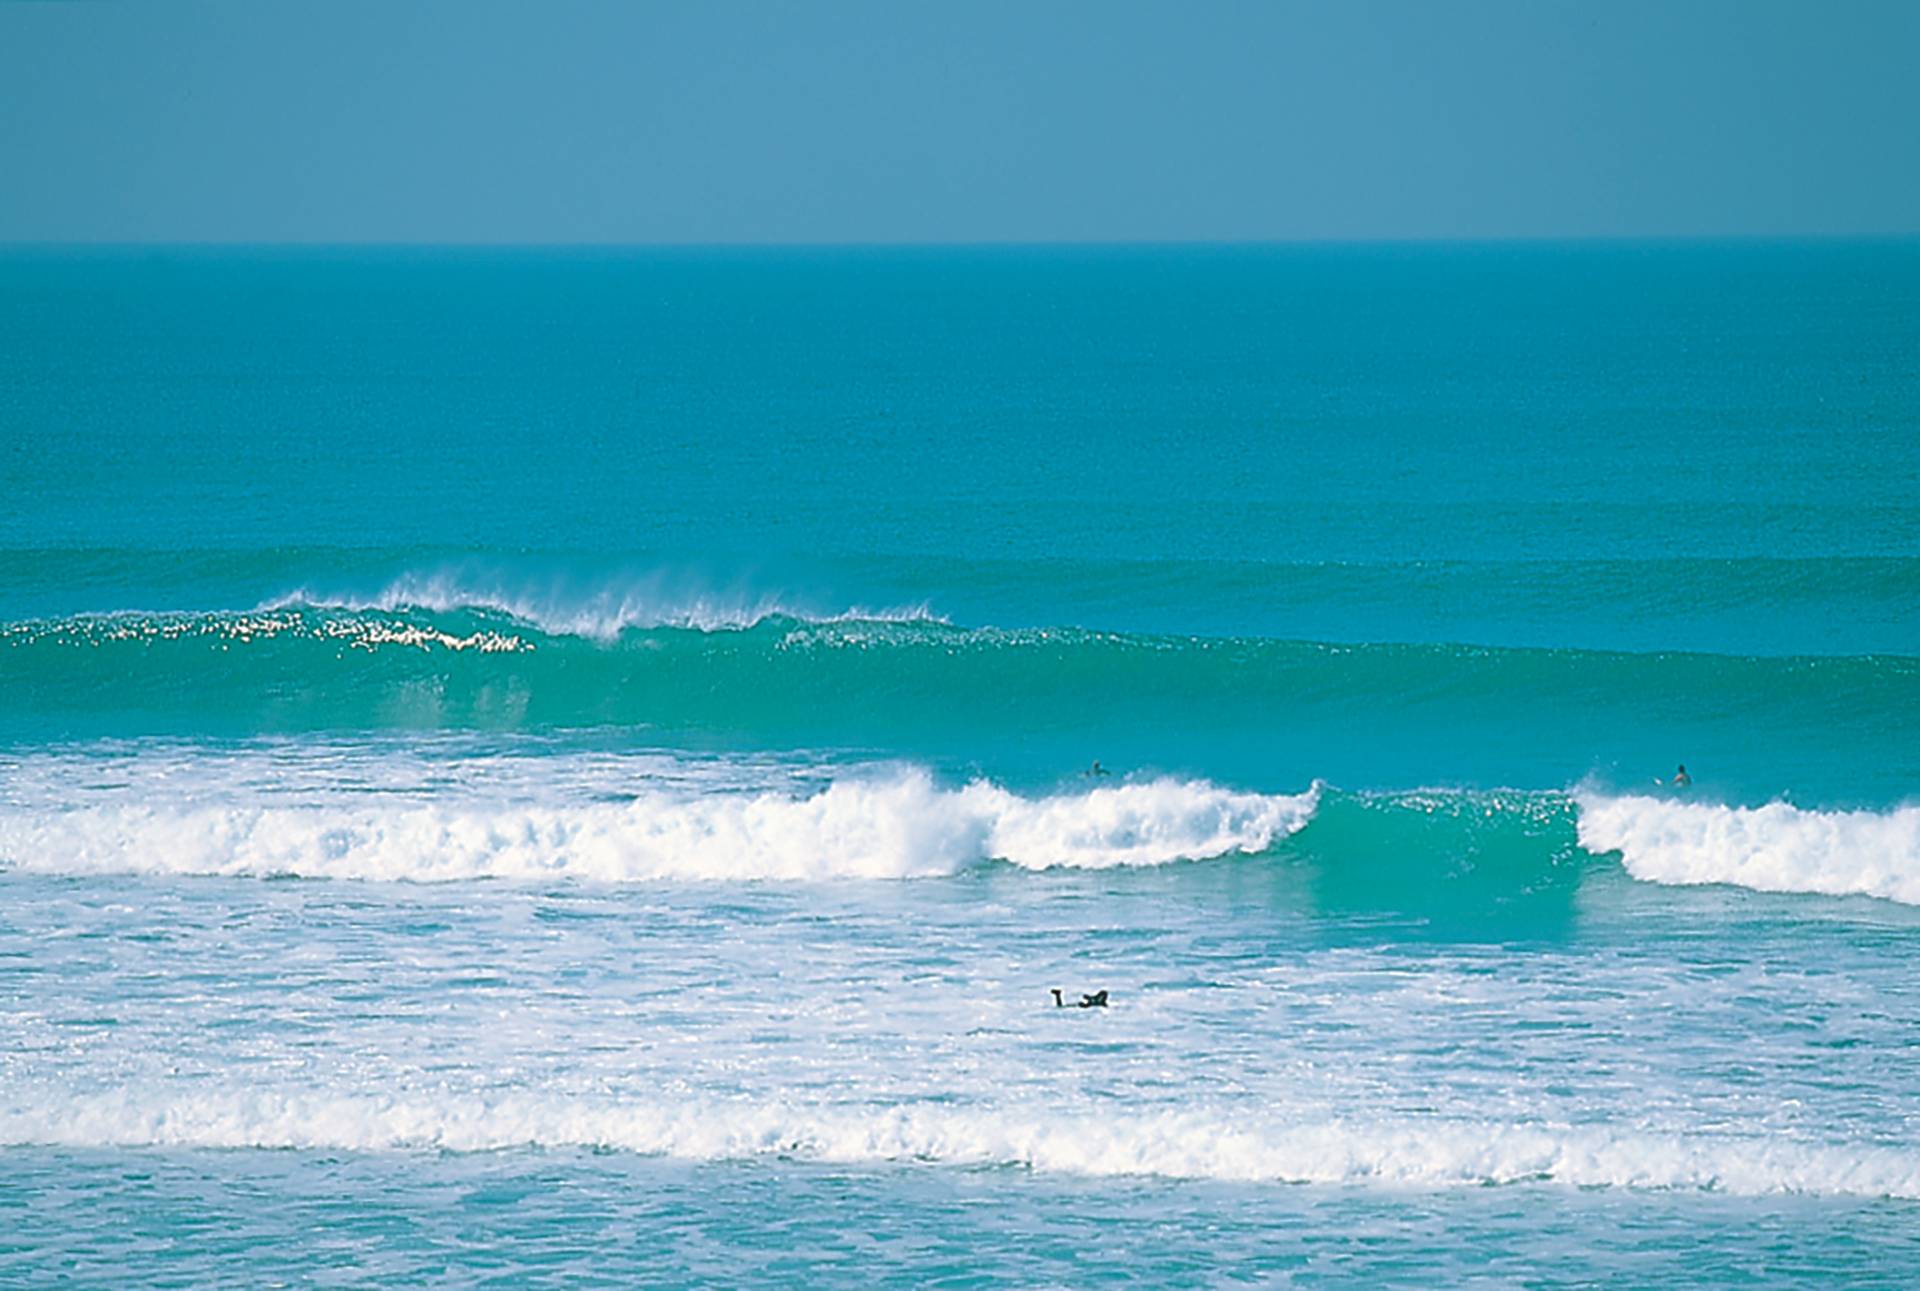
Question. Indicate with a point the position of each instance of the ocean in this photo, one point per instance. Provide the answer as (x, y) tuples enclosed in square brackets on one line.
[(549, 767)]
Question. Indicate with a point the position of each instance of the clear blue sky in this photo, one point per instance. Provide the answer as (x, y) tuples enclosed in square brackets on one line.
[(893, 121)]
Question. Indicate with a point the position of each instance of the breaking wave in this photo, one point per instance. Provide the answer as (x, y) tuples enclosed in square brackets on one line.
[(1775, 848), (325, 811), (600, 614), (899, 827)]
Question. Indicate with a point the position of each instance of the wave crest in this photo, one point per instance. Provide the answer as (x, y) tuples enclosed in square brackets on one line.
[(601, 613)]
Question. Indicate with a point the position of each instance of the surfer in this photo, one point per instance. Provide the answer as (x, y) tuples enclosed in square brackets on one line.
[(1680, 778), (1097, 770), (1097, 1000)]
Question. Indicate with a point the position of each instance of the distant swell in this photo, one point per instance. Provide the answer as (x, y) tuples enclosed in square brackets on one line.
[(1775, 848), (901, 827), (1196, 1144)]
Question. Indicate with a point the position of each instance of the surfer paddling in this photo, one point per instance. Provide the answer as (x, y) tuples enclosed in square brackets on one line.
[(1097, 1000)]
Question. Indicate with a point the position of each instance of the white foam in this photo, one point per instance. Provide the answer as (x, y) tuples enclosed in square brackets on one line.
[(1775, 848), (600, 613), (1225, 1143), (258, 625), (899, 826)]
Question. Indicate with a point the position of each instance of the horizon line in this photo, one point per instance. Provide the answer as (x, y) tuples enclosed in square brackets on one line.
[(1008, 244)]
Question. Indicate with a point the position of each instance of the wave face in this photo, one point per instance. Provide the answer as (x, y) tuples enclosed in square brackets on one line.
[(1775, 848), (1017, 701), (902, 827), (1191, 1144)]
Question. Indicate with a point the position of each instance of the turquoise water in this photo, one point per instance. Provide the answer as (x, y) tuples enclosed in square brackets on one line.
[(534, 765)]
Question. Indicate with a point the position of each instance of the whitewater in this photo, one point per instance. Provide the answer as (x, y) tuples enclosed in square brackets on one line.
[(534, 767), (899, 827), (331, 812)]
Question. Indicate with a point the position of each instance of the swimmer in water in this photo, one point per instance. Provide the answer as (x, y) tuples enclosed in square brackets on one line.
[(1097, 1000), (1680, 778), (1096, 769)]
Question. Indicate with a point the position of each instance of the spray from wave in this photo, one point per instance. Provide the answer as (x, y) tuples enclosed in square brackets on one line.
[(601, 612), (877, 828)]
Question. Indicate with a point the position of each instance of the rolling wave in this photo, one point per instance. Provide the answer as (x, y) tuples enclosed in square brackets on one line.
[(426, 814), (1193, 1143), (1833, 605), (908, 682)]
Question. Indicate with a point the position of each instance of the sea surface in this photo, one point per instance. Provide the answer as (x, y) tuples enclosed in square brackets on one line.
[(577, 768)]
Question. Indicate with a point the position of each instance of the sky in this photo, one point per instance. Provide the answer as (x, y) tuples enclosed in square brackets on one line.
[(754, 121)]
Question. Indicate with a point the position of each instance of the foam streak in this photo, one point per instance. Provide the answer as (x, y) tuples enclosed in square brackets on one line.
[(1199, 1144)]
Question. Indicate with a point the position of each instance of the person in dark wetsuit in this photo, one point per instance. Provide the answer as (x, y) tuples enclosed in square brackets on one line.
[(1097, 1000)]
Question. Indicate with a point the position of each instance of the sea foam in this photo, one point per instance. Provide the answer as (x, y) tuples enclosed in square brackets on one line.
[(898, 826), (1775, 848), (1197, 1143)]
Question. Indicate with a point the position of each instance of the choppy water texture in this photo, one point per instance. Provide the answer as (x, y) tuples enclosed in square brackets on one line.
[(563, 768)]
